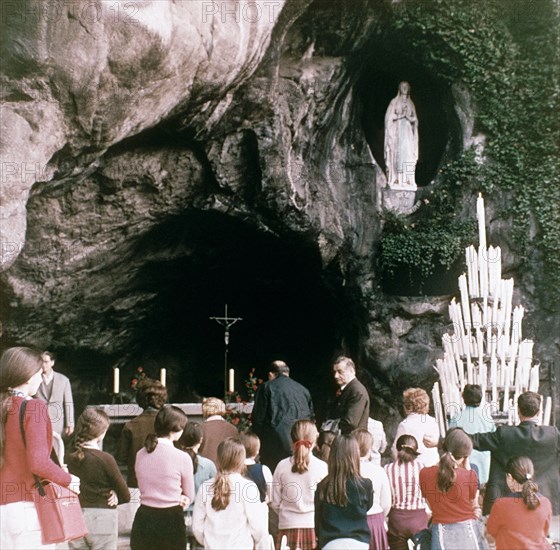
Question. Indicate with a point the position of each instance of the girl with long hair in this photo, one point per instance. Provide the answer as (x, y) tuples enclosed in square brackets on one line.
[(20, 377), (381, 491), (165, 480), (228, 512), (408, 507), (203, 469), (522, 518), (293, 488), (343, 499), (100, 481), (451, 490)]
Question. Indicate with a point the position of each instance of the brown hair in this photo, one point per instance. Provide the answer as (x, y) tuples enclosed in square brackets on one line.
[(17, 366), (251, 442), (169, 419), (522, 470), (304, 435), (456, 445), (90, 425), (416, 400), (365, 441), (231, 459), (407, 449), (151, 393), (344, 464), (192, 435), (529, 404)]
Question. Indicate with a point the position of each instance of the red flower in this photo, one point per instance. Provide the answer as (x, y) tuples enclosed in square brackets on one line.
[(235, 421)]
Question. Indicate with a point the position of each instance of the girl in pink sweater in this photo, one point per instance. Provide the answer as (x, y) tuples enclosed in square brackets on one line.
[(166, 483)]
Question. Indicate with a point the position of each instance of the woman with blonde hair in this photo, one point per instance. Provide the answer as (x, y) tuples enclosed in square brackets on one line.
[(451, 490), (293, 488), (101, 482), (418, 423), (228, 512), (215, 427), (343, 499), (20, 377)]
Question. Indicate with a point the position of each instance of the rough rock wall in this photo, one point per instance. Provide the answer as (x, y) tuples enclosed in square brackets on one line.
[(121, 122)]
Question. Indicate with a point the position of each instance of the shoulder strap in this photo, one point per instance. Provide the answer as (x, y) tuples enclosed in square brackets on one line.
[(21, 418)]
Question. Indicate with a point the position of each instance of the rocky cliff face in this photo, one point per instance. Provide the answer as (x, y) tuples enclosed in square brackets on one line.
[(165, 158)]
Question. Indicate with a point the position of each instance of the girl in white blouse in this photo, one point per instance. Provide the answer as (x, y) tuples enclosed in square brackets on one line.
[(228, 512)]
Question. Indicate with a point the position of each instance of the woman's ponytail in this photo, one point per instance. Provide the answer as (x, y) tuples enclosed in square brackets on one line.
[(446, 472), (522, 471)]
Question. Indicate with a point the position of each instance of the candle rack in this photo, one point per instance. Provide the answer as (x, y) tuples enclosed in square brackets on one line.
[(485, 346)]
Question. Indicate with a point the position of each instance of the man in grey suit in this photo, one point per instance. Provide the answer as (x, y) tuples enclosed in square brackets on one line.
[(56, 392)]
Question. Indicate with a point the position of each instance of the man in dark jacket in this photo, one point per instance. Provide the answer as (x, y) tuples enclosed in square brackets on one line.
[(352, 399), (278, 404), (540, 443)]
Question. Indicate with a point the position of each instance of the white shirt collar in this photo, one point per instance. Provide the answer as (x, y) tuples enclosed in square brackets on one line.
[(214, 417), (165, 441), (249, 461)]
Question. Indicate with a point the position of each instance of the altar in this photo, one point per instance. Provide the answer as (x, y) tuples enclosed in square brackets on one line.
[(122, 413)]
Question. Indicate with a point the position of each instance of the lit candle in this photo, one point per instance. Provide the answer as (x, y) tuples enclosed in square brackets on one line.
[(231, 380), (163, 376), (116, 380)]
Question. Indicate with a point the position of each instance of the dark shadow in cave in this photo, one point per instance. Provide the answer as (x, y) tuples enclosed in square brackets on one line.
[(203, 260)]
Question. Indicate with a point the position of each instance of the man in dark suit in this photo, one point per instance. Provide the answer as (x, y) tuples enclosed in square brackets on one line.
[(540, 443), (279, 402), (352, 400)]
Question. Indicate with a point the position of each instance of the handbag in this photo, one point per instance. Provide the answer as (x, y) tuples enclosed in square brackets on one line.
[(58, 508)]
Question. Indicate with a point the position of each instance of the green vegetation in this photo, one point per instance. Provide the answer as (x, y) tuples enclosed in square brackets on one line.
[(506, 54)]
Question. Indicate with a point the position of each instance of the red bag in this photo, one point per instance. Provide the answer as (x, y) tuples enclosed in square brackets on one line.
[(58, 508), (60, 513)]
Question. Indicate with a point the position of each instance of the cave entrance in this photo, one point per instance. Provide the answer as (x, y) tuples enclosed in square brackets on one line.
[(199, 262)]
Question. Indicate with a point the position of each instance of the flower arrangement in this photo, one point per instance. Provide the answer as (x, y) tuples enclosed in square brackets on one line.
[(251, 384), (241, 419), (139, 375)]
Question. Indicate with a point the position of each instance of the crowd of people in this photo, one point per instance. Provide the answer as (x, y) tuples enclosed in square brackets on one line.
[(289, 483)]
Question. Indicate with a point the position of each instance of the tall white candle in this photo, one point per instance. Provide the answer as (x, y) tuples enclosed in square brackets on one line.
[(231, 380), (163, 376), (116, 380), (465, 301), (481, 221), (547, 411)]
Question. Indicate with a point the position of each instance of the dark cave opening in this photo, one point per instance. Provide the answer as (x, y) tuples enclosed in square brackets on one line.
[(195, 265)]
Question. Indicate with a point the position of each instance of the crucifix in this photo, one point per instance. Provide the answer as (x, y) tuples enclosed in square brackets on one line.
[(226, 322)]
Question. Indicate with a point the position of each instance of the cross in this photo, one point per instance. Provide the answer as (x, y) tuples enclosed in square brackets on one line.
[(226, 322)]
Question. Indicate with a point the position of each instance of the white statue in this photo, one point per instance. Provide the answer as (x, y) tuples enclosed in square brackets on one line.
[(401, 139)]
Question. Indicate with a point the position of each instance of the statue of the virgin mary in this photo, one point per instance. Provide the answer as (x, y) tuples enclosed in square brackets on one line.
[(401, 139)]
